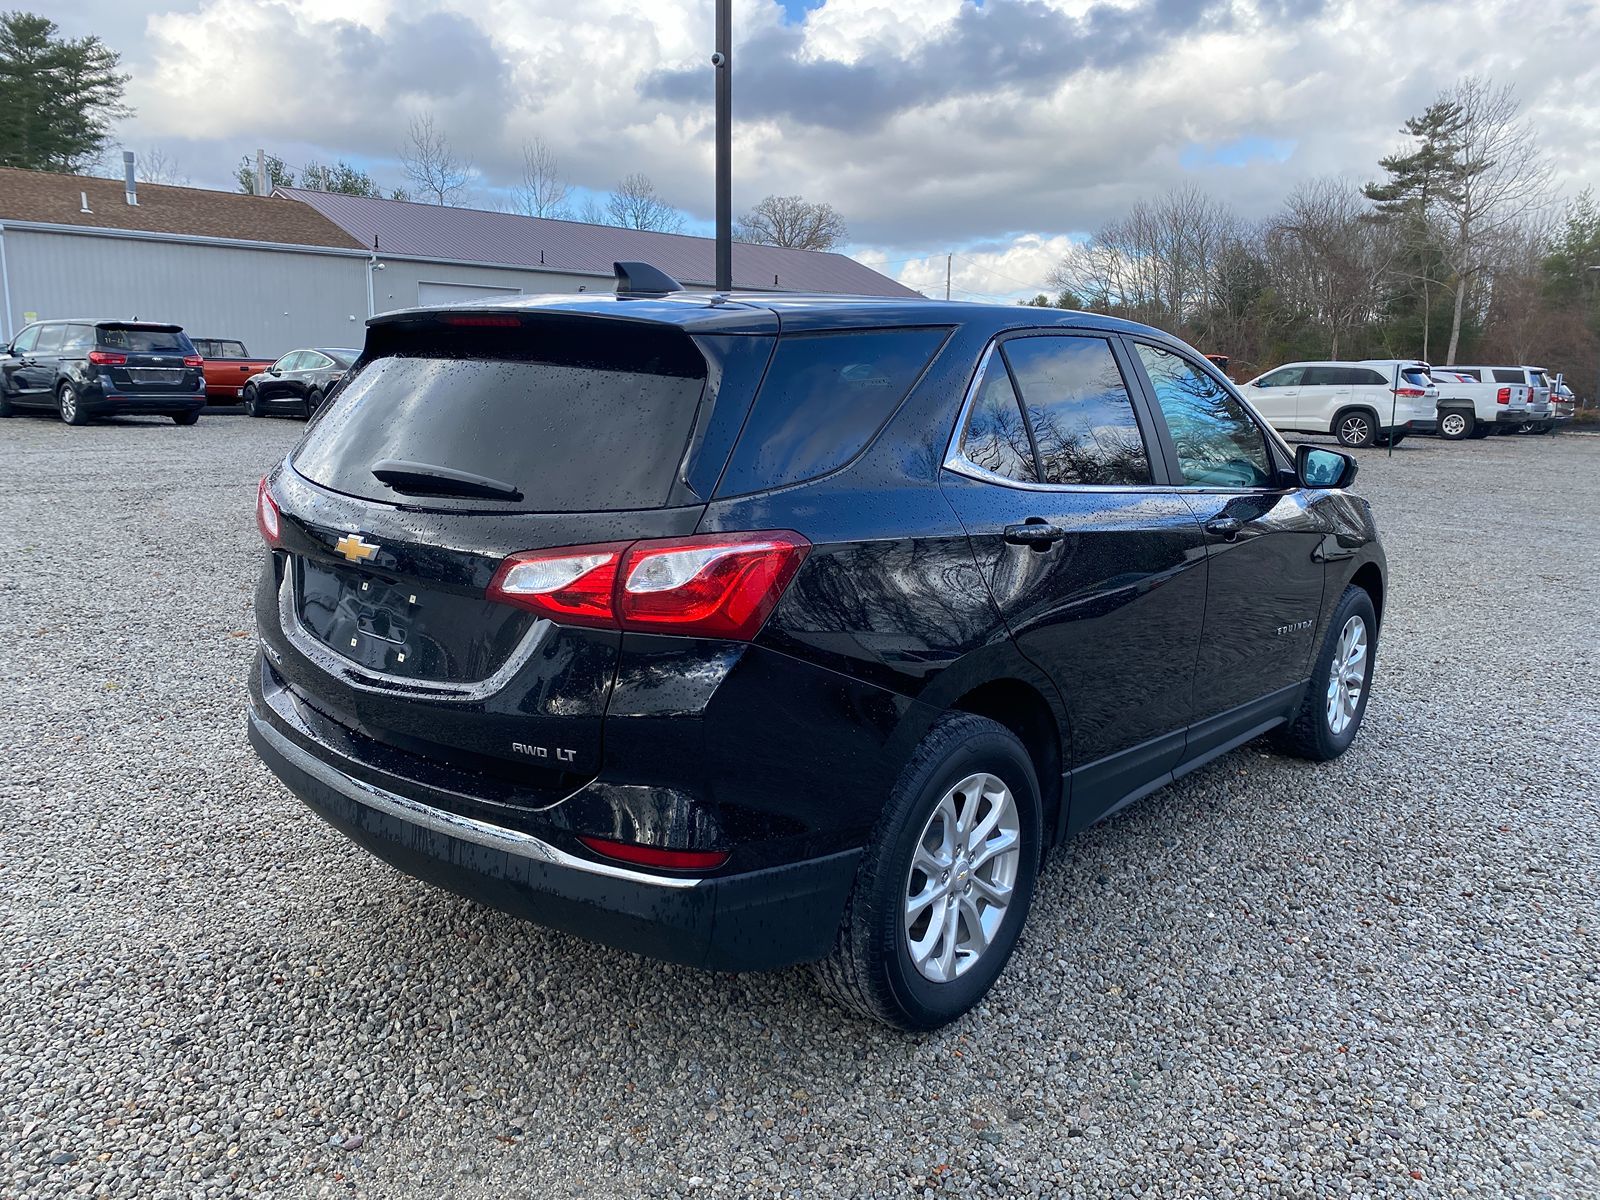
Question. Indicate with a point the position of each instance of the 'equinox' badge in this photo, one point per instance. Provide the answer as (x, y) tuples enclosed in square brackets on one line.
[(354, 547)]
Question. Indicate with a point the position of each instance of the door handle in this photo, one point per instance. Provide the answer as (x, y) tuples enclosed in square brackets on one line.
[(1037, 534), (1226, 528)]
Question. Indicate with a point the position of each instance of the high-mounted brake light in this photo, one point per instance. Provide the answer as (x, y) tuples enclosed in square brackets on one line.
[(483, 320), (267, 515), (105, 358), (655, 856), (720, 585)]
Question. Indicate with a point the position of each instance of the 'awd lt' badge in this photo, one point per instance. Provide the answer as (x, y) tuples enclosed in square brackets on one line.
[(354, 547)]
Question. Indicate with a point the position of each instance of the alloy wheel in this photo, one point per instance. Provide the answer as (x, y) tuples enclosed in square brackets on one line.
[(962, 877), (1347, 677), (69, 404), (1355, 431)]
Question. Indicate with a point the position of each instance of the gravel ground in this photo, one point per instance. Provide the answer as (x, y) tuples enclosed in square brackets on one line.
[(1377, 977)]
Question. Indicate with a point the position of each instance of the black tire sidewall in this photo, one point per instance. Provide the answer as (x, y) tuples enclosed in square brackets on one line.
[(927, 1004), (252, 402), (1355, 602), (1338, 429)]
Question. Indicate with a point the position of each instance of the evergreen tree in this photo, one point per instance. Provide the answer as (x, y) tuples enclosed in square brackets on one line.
[(278, 174), (58, 96)]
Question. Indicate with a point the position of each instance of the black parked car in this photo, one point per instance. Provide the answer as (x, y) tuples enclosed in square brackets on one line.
[(300, 380), (88, 368), (744, 631)]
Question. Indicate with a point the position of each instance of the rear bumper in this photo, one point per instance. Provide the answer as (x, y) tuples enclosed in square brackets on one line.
[(752, 921), (158, 403)]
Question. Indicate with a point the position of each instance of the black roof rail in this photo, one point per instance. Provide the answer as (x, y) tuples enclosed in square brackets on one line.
[(641, 279)]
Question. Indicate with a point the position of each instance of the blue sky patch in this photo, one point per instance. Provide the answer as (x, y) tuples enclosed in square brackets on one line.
[(1239, 152)]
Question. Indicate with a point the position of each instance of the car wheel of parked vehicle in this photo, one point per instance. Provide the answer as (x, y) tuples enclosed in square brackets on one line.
[(1480, 432), (6, 409), (1355, 429), (313, 402), (188, 418), (1336, 698), (1456, 424), (67, 403), (252, 402), (944, 886)]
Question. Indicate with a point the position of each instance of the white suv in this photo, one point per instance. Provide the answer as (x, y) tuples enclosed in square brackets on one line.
[(1373, 402)]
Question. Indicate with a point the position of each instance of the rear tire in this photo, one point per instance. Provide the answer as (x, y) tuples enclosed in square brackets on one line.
[(6, 407), (1356, 428), (919, 965), (69, 406), (1480, 432), (252, 402), (1329, 716), (188, 418), (313, 402), (1456, 424)]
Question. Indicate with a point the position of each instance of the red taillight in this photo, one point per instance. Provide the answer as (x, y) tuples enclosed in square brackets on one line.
[(1503, 396), (721, 585), (485, 320), (193, 360), (267, 516), (654, 856), (1411, 392), (104, 358)]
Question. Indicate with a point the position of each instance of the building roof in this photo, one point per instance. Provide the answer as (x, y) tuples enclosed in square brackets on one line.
[(196, 212), (409, 229)]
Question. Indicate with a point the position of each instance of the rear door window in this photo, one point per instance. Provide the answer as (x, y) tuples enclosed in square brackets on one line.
[(1324, 376), (824, 397), (49, 339), (1079, 411), (582, 416), (79, 340), (995, 438)]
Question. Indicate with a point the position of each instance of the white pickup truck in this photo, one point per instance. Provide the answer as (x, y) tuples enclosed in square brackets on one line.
[(1470, 407)]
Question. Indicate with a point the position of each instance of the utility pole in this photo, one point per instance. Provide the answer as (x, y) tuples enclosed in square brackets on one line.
[(722, 60), (947, 259), (261, 172)]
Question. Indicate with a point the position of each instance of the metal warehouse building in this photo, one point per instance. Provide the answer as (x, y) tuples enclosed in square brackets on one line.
[(303, 268)]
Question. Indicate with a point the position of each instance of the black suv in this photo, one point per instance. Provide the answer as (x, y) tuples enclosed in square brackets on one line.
[(86, 368), (750, 630)]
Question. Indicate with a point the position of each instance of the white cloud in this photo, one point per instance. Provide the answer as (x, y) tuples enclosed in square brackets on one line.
[(929, 124)]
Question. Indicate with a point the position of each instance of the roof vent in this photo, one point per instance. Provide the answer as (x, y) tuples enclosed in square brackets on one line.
[(83, 198), (128, 181), (641, 279)]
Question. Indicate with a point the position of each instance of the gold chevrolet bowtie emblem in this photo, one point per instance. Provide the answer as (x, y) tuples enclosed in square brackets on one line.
[(354, 547)]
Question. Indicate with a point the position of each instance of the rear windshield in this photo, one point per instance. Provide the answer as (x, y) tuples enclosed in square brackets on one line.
[(580, 423), (145, 341), (1416, 377)]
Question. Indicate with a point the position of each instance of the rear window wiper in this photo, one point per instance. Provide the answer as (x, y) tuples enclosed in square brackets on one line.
[(426, 479)]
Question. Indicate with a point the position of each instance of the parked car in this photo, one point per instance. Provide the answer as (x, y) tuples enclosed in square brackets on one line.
[(1367, 403), (1469, 407), (1538, 418), (87, 368), (228, 366), (789, 628), (1563, 403), (300, 380)]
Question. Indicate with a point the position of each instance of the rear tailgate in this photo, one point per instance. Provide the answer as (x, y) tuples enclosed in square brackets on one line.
[(147, 358), (379, 594)]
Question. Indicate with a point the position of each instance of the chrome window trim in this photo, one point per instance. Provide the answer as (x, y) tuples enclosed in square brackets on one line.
[(955, 461), (357, 675), (466, 829)]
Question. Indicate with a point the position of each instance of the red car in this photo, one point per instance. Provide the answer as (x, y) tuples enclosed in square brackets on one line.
[(228, 365)]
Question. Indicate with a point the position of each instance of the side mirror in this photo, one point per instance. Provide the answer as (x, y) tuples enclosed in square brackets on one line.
[(1255, 383), (1317, 467), (274, 371)]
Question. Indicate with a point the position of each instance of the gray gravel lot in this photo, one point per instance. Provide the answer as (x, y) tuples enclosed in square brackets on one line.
[(1379, 977)]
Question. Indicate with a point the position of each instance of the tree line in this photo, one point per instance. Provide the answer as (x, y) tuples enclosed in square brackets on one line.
[(1457, 250)]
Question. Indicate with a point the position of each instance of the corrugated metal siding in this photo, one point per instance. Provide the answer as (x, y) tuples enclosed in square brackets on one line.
[(471, 235), (274, 300)]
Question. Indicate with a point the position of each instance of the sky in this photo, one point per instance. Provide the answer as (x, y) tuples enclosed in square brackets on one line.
[(996, 132)]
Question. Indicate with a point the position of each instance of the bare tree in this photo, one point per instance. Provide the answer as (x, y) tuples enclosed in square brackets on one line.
[(542, 191), (795, 222), (437, 175), (636, 205), (1500, 179), (157, 166), (1336, 260)]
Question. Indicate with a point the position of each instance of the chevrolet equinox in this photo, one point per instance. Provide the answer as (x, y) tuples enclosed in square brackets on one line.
[(750, 630)]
